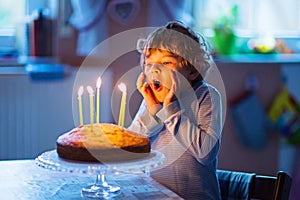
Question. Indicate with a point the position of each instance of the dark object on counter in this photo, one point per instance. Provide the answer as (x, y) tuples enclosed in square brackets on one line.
[(45, 71), (242, 185), (41, 36)]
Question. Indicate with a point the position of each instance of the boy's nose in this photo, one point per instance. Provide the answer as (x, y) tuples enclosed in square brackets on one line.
[(155, 68)]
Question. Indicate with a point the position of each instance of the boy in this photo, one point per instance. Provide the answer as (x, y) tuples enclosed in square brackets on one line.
[(180, 113)]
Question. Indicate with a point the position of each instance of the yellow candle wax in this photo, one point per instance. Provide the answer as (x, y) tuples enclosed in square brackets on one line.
[(122, 87), (80, 92), (123, 109), (98, 100), (91, 93)]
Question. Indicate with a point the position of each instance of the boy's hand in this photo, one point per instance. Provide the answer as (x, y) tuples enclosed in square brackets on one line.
[(144, 88)]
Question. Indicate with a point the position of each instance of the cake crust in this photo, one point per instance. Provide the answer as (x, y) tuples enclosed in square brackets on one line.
[(102, 143)]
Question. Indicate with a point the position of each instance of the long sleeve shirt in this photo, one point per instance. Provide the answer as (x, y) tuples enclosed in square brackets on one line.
[(188, 133)]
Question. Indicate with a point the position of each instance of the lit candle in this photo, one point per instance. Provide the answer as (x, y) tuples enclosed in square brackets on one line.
[(98, 85), (80, 92), (122, 87), (91, 92)]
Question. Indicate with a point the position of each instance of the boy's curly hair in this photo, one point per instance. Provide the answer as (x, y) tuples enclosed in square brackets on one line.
[(181, 41)]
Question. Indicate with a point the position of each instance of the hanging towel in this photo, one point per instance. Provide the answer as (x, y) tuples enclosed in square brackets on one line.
[(250, 120), (89, 17)]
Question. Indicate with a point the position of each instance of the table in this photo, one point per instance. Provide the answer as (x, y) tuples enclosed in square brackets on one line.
[(23, 179)]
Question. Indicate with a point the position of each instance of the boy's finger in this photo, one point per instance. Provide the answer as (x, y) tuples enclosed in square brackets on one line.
[(145, 86), (140, 81)]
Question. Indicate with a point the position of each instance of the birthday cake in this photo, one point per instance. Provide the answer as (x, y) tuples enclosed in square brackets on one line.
[(102, 143)]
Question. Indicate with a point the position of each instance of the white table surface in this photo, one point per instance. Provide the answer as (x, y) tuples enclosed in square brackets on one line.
[(23, 179)]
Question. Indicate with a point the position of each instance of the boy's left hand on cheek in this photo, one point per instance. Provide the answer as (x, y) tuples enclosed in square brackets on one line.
[(174, 89)]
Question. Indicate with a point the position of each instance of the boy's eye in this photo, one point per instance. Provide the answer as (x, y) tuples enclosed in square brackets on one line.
[(167, 63), (148, 65)]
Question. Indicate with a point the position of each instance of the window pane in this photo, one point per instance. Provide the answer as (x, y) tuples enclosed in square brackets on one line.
[(11, 12), (255, 17), (277, 16), (11, 17)]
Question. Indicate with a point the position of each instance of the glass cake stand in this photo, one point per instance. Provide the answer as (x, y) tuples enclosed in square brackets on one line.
[(101, 188)]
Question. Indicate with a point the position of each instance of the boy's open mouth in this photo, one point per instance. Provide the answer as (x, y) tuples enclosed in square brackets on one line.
[(156, 85)]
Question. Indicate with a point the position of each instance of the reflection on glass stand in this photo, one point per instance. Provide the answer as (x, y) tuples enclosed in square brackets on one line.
[(101, 188)]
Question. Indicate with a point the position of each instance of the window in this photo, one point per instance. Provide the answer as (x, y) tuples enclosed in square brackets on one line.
[(11, 14), (279, 18), (15, 17)]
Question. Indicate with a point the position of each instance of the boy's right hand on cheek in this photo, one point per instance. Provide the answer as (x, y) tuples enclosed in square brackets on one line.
[(145, 89), (142, 86)]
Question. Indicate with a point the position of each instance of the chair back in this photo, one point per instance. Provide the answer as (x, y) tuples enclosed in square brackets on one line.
[(243, 185)]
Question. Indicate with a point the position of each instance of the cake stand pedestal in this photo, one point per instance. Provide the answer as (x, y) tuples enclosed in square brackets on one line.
[(101, 188)]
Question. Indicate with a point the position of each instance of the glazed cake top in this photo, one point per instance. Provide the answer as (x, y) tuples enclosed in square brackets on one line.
[(101, 136)]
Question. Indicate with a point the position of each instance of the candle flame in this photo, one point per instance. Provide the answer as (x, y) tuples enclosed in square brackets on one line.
[(80, 91), (99, 81), (122, 87), (90, 90)]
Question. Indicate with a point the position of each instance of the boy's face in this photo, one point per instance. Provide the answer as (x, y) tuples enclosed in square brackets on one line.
[(158, 67)]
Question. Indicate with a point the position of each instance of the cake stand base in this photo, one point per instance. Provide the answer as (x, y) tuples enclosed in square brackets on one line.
[(100, 189)]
